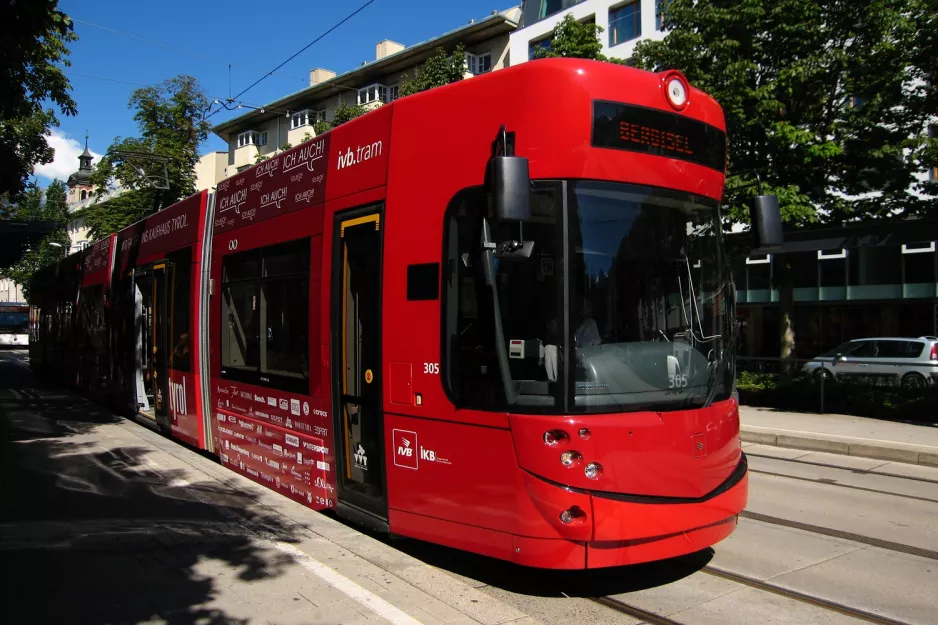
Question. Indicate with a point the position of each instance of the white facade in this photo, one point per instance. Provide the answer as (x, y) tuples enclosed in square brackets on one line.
[(624, 23), (10, 291)]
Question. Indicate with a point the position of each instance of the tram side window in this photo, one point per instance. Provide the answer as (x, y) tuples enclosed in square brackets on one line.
[(182, 299), (265, 316)]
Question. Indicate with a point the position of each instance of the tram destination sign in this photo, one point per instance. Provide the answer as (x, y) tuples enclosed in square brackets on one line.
[(651, 131), (287, 182)]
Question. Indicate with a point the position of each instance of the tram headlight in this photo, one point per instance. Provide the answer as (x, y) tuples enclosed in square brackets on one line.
[(571, 514), (570, 458), (593, 470), (552, 437), (676, 89), (584, 433)]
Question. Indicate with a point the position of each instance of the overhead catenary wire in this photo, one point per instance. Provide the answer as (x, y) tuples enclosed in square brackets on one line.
[(306, 47)]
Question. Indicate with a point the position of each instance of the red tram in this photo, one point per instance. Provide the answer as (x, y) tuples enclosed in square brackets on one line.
[(495, 316)]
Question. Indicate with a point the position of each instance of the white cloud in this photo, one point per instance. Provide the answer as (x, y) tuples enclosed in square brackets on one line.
[(65, 162)]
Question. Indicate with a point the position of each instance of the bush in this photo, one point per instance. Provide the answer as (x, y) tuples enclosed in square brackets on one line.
[(803, 394)]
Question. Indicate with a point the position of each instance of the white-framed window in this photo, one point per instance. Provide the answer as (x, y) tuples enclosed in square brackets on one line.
[(478, 63), (373, 93), (827, 254), (918, 248), (393, 92), (300, 118), (252, 137), (764, 259), (318, 116)]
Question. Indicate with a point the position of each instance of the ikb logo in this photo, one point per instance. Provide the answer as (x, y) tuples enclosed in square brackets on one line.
[(405, 449)]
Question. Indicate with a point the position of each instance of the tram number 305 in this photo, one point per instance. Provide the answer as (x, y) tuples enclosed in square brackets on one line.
[(433, 368), (677, 381)]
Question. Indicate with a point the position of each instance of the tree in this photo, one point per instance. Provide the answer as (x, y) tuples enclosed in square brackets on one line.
[(440, 69), (170, 118), (574, 39), (346, 112), (36, 205), (35, 35), (827, 101)]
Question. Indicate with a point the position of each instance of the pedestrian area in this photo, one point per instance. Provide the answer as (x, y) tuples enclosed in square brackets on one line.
[(103, 520)]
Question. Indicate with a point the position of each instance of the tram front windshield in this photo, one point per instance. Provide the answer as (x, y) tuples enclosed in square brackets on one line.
[(623, 302)]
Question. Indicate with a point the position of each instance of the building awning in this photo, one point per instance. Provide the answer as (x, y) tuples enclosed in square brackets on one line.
[(18, 236)]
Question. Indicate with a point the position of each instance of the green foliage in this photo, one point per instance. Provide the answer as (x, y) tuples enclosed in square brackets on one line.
[(787, 73), (440, 69), (574, 39), (36, 205), (319, 127), (286, 146), (307, 136), (34, 35), (803, 394), (169, 118), (346, 112), (260, 158)]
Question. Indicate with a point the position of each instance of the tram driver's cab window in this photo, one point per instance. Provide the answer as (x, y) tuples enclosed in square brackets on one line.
[(265, 316), (524, 305)]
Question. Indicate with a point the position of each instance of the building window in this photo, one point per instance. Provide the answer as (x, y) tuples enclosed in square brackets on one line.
[(660, 7), (625, 23), (373, 93), (300, 118), (534, 45), (478, 63), (319, 116), (252, 137), (265, 316), (550, 7), (393, 92)]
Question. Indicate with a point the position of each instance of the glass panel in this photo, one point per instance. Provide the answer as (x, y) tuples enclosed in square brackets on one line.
[(287, 345), (648, 328), (240, 348), (625, 23), (265, 320), (528, 293), (919, 268), (287, 258), (181, 300)]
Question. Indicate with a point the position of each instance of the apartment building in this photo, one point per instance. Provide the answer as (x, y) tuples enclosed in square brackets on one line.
[(624, 23), (291, 119)]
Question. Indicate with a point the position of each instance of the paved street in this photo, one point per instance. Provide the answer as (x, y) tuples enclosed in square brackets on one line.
[(103, 520)]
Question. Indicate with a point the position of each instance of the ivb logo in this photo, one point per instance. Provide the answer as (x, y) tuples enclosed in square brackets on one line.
[(405, 449)]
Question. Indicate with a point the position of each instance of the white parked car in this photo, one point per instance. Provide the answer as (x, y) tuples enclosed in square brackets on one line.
[(911, 363)]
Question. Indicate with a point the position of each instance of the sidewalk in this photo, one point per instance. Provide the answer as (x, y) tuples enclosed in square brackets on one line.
[(840, 434), (103, 520)]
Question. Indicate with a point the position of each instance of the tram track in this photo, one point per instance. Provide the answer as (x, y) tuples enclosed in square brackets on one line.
[(829, 482), (841, 534), (856, 471), (653, 618)]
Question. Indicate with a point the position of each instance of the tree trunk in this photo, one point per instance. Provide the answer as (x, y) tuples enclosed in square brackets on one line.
[(786, 310)]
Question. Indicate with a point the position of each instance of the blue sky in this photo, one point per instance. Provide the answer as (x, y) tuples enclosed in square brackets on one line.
[(246, 33)]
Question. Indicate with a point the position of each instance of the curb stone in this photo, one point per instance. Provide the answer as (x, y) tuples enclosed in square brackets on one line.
[(843, 445)]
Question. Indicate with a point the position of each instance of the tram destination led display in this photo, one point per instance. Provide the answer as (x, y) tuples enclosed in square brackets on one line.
[(650, 131)]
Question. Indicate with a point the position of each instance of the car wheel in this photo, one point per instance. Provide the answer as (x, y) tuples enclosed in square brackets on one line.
[(913, 380)]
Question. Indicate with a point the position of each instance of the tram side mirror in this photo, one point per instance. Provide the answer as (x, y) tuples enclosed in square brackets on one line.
[(766, 221), (511, 188)]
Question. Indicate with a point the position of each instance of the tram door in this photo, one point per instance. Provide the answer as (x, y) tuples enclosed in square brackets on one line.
[(152, 357), (357, 367)]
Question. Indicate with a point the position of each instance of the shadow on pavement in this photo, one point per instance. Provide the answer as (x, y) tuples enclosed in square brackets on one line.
[(91, 532)]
